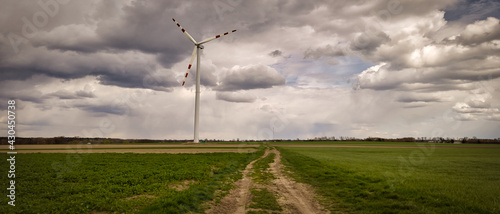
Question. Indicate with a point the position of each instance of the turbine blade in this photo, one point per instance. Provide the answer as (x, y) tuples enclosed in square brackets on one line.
[(217, 36), (189, 66), (185, 32)]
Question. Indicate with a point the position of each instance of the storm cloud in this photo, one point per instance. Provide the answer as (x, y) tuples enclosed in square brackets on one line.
[(368, 65), (250, 77)]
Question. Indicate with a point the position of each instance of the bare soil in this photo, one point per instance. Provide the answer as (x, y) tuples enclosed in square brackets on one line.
[(238, 198), (171, 151), (182, 185), (293, 197), (141, 196)]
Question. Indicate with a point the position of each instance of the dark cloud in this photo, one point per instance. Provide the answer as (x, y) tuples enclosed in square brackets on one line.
[(327, 51), (145, 28), (275, 53), (169, 57), (160, 80), (74, 37), (414, 105), (250, 77), (237, 97), (29, 95), (36, 97), (207, 78), (369, 41), (416, 98), (132, 80), (66, 95), (127, 69), (134, 44), (103, 108), (85, 94), (141, 26), (77, 49)]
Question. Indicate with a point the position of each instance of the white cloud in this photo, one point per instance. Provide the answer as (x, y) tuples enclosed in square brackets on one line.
[(481, 31)]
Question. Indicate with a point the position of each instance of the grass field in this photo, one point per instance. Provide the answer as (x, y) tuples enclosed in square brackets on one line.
[(375, 143), (123, 183), (428, 179), (132, 148), (377, 177)]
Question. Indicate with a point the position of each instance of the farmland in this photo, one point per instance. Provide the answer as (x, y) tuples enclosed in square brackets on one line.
[(107, 182), (135, 148), (346, 177), (428, 179)]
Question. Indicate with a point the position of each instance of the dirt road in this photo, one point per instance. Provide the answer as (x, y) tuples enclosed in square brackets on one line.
[(293, 197)]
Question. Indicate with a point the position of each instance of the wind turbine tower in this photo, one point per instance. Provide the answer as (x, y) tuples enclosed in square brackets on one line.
[(197, 48)]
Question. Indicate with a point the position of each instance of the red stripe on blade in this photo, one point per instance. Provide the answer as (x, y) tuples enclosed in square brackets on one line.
[(226, 33), (217, 36), (186, 75), (189, 67)]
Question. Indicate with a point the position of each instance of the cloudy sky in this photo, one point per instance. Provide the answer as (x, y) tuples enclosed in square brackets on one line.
[(294, 69)]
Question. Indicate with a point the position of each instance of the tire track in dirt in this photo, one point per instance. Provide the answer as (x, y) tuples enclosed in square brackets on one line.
[(239, 198), (293, 197)]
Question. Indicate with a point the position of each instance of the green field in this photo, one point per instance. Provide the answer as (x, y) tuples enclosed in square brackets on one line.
[(122, 183), (418, 178), (375, 143), (428, 179), (159, 148)]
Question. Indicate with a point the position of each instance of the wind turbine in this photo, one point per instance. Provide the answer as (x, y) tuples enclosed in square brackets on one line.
[(197, 48)]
